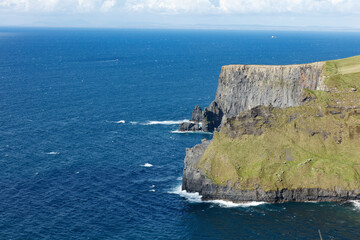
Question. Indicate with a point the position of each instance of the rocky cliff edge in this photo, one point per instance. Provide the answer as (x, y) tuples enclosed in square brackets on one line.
[(301, 144)]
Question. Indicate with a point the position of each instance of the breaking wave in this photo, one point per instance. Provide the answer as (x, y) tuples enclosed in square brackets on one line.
[(53, 153), (191, 197), (196, 198), (147, 165), (228, 204), (165, 122), (191, 132), (356, 204), (169, 122)]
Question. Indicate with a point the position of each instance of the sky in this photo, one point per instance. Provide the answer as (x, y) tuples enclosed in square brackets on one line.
[(193, 14)]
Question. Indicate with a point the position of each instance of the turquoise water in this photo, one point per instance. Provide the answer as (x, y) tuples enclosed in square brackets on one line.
[(86, 143)]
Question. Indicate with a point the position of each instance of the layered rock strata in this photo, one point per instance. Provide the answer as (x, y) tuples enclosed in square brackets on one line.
[(242, 87)]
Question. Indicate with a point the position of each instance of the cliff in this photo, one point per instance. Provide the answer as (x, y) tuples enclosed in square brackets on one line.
[(242, 87), (300, 144)]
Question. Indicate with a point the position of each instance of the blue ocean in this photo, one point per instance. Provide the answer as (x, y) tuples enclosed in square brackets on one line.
[(88, 141)]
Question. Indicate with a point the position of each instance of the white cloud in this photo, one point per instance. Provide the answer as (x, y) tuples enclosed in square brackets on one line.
[(170, 6), (293, 6), (244, 6), (87, 5), (14, 4), (107, 5), (57, 5), (48, 5), (186, 6)]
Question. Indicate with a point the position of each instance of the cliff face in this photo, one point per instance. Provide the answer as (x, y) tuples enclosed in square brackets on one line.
[(301, 144), (196, 180), (242, 87), (194, 177), (274, 155)]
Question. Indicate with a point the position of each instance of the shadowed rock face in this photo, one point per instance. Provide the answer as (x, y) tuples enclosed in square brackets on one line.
[(242, 87), (212, 117), (193, 177), (252, 122)]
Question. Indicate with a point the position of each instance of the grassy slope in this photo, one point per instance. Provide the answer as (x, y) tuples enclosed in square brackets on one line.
[(344, 73), (279, 157)]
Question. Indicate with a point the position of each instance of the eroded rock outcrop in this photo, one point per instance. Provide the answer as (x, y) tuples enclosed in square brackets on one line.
[(189, 126), (197, 114), (196, 121)]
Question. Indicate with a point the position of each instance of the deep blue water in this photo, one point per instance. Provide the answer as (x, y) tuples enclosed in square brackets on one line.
[(70, 170)]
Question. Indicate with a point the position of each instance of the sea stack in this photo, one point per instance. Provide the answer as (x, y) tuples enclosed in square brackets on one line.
[(196, 121)]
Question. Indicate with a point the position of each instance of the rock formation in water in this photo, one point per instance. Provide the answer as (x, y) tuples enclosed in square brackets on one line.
[(285, 133), (196, 121), (197, 114)]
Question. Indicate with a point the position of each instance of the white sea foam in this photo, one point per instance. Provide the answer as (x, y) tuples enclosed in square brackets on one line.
[(170, 122), (121, 121), (196, 198), (152, 190), (191, 197), (133, 123), (147, 165), (356, 204), (193, 132), (228, 204), (53, 153)]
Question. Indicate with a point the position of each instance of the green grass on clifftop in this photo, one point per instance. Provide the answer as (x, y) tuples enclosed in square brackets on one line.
[(316, 145), (343, 73)]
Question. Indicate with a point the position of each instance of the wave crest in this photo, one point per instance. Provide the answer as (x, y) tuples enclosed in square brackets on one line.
[(228, 204), (147, 165), (170, 122), (191, 197), (192, 132), (356, 204), (196, 198), (53, 153)]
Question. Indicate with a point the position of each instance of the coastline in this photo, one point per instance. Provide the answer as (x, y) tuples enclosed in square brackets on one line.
[(314, 103)]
